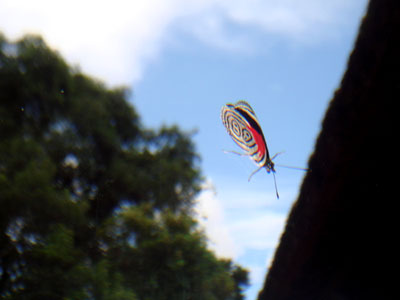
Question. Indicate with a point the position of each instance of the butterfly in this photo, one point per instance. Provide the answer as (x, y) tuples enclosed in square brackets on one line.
[(242, 125)]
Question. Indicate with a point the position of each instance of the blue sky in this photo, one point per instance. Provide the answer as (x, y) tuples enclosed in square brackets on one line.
[(185, 59)]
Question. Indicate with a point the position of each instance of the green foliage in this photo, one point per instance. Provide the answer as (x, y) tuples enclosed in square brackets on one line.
[(162, 253), (93, 206)]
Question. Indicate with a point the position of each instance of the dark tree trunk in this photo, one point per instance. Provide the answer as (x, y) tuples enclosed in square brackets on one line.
[(340, 237)]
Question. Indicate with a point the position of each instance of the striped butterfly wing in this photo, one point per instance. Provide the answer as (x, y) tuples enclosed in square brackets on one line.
[(242, 125)]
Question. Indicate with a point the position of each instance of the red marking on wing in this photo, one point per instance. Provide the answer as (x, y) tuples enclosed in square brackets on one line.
[(259, 141)]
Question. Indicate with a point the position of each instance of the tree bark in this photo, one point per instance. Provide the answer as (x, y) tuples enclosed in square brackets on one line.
[(340, 237)]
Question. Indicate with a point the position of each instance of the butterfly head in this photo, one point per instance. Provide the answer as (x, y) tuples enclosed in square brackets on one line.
[(269, 166)]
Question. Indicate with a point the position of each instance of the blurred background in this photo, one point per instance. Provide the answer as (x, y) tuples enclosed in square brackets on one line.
[(113, 179)]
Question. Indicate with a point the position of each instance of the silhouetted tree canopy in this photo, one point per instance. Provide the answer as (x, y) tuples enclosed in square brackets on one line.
[(94, 205)]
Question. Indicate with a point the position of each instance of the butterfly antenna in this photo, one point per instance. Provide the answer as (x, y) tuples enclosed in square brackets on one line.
[(276, 187), (273, 173)]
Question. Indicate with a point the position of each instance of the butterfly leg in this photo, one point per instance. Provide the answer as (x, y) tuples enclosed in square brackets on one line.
[(235, 152), (254, 172), (279, 153)]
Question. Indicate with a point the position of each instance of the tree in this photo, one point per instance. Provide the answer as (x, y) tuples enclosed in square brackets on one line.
[(340, 235), (93, 205), (164, 256)]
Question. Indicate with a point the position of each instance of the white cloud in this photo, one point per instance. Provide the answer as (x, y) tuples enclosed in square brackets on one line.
[(212, 218), (111, 39), (115, 40), (243, 225), (292, 18), (259, 232), (234, 226)]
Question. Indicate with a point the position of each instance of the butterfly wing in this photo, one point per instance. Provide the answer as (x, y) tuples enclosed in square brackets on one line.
[(242, 125), (237, 128)]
